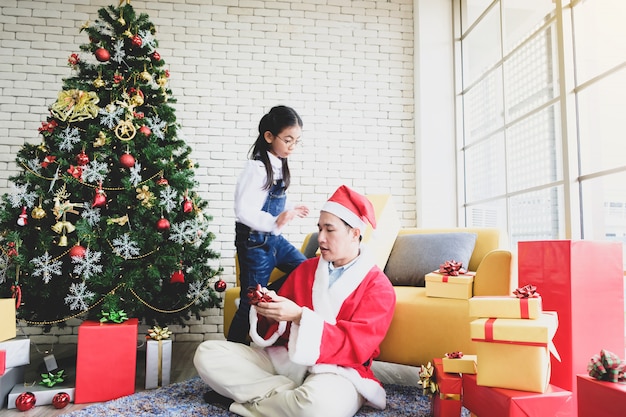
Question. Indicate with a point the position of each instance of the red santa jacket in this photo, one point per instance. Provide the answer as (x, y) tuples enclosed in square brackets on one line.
[(341, 326)]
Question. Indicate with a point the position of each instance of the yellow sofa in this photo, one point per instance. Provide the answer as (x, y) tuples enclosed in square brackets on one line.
[(424, 327)]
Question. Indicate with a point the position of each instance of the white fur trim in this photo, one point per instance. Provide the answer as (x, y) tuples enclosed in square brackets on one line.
[(370, 389), (254, 335), (345, 214), (305, 340)]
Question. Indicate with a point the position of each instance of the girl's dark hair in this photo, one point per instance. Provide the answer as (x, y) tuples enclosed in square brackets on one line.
[(278, 118)]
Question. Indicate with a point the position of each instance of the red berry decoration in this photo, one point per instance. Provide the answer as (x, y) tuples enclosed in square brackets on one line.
[(102, 55), (163, 224), (177, 276), (82, 159), (127, 160), (137, 41), (25, 401), (163, 182), (220, 285), (145, 130), (60, 400), (77, 250), (156, 56)]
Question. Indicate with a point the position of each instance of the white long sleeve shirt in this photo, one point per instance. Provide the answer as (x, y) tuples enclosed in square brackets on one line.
[(250, 195)]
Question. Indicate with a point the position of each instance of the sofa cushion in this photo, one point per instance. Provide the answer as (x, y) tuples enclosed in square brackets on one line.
[(415, 255)]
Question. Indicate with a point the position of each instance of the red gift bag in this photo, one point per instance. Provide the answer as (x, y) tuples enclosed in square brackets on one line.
[(583, 281)]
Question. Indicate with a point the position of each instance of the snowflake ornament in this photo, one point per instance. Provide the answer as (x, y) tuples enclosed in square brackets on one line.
[(22, 197), (110, 116), (198, 292), (45, 267), (169, 199), (34, 165), (69, 137), (135, 174), (157, 126), (148, 40), (95, 172), (91, 214), (125, 247), (87, 265), (118, 51), (79, 296)]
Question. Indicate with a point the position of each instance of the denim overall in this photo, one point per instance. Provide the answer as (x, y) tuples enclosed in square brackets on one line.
[(258, 253)]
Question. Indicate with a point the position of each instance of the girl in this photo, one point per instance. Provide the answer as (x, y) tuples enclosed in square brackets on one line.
[(261, 210)]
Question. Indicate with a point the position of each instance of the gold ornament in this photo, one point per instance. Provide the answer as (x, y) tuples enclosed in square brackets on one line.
[(146, 76), (125, 130), (38, 213), (101, 140), (98, 82), (59, 227), (136, 100), (63, 241), (118, 220), (128, 33), (162, 81), (145, 196), (75, 105)]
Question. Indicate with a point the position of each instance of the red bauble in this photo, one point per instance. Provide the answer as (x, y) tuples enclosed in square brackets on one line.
[(220, 285), (177, 276), (78, 251), (163, 182), (127, 160), (187, 206), (156, 56), (60, 400), (145, 130), (100, 199), (163, 224), (82, 159), (137, 41), (25, 401), (102, 55)]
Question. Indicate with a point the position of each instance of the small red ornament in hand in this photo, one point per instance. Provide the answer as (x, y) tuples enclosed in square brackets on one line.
[(60, 400), (25, 401), (220, 285), (102, 55), (258, 294), (163, 224), (127, 160)]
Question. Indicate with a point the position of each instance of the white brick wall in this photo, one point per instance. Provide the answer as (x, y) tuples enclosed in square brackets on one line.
[(345, 66)]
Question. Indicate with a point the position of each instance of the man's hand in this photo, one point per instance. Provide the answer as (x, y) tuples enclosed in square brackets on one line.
[(280, 309)]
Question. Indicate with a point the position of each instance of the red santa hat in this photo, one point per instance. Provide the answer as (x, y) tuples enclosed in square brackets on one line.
[(351, 207)]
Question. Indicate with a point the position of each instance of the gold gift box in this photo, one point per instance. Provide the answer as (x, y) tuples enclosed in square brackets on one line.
[(448, 286), (464, 365), (505, 307), (514, 353), (7, 319)]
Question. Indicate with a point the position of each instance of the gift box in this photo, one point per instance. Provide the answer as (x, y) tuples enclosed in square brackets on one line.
[(514, 353), (17, 351), (3, 361), (463, 365), (105, 361), (43, 395), (447, 401), (500, 402), (11, 377), (158, 363), (7, 319), (600, 398), (505, 307), (450, 286), (583, 281)]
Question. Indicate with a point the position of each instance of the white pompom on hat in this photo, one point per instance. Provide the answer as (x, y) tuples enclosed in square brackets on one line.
[(351, 207)]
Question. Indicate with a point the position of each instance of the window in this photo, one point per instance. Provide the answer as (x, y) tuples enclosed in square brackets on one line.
[(542, 94)]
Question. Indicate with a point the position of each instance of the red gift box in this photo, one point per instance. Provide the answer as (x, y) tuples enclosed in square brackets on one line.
[(3, 361), (447, 401), (105, 361), (502, 402), (583, 281), (600, 398)]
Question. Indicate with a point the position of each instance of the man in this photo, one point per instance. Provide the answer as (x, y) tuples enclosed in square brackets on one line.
[(316, 339)]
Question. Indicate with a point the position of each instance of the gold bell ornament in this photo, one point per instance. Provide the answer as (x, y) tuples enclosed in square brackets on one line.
[(63, 241), (38, 212)]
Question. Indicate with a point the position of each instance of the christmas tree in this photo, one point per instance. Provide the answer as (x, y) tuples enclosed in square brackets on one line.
[(103, 222)]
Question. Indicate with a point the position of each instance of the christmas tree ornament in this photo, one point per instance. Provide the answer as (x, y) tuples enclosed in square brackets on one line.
[(75, 171), (60, 400), (38, 212), (49, 159), (163, 181), (177, 277), (82, 159), (146, 76), (77, 251), (137, 99), (163, 224), (22, 219), (100, 199), (127, 160), (63, 241), (25, 401), (145, 196), (72, 61), (101, 140), (156, 56), (75, 105), (220, 285), (145, 130), (187, 204), (162, 81), (102, 55), (136, 41), (125, 130), (99, 82)]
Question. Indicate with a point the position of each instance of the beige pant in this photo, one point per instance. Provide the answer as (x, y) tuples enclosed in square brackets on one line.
[(247, 375)]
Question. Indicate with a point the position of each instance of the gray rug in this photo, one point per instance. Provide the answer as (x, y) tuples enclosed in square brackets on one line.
[(185, 399)]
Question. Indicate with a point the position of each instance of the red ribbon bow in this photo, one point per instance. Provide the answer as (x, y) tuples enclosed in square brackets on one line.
[(527, 291), (607, 366), (454, 355), (258, 294), (452, 268)]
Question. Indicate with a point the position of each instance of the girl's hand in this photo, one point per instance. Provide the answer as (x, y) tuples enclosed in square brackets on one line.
[(288, 215), (280, 309), (301, 211)]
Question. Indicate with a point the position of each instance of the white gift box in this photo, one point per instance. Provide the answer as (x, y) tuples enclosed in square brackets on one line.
[(158, 363), (11, 377), (17, 351), (43, 394)]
